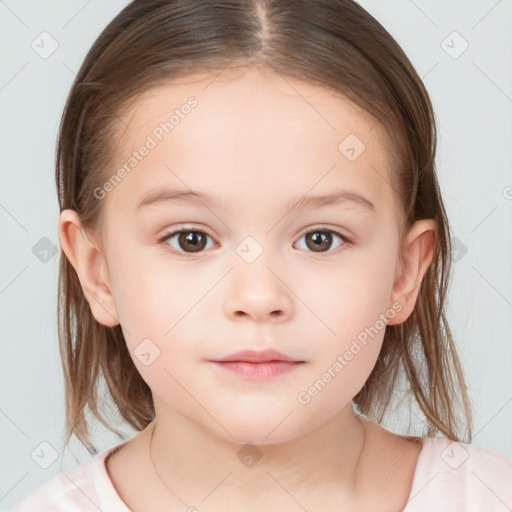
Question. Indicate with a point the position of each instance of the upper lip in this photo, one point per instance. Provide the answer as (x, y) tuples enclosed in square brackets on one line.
[(254, 356)]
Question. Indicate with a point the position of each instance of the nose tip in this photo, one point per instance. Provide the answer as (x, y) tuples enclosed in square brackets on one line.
[(255, 291)]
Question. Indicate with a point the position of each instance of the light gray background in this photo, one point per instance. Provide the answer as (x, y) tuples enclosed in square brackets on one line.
[(472, 97)]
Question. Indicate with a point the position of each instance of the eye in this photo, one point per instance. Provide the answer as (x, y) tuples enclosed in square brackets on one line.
[(322, 238), (191, 241), (188, 241)]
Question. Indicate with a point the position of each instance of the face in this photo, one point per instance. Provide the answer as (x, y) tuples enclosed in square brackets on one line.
[(236, 267)]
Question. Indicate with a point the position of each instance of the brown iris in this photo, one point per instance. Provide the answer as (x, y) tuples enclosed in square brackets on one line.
[(192, 241), (320, 240)]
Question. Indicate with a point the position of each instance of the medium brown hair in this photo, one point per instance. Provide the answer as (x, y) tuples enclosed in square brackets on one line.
[(335, 44)]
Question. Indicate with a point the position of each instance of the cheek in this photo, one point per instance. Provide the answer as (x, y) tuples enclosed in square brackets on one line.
[(151, 292), (156, 309), (347, 341), (350, 296), (350, 305)]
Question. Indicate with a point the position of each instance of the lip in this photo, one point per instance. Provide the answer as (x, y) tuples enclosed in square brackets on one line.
[(258, 371), (254, 356)]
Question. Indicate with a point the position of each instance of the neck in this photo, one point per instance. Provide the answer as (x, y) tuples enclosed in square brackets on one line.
[(202, 468)]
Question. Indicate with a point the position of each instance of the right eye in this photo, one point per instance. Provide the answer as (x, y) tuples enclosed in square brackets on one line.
[(187, 241)]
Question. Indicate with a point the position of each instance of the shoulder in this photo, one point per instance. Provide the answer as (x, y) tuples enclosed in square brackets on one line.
[(79, 489), (452, 475)]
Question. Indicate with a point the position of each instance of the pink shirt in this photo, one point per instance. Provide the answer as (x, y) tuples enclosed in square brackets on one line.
[(449, 477)]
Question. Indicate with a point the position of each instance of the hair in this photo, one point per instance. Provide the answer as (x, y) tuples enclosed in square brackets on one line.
[(334, 44)]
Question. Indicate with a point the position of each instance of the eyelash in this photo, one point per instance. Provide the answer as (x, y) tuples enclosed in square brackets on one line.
[(322, 229)]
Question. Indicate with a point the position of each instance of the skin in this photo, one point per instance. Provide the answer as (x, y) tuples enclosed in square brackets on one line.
[(255, 143)]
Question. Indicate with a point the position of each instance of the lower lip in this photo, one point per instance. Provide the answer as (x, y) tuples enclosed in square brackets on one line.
[(264, 370)]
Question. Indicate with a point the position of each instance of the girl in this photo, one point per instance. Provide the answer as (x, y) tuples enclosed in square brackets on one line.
[(255, 252)]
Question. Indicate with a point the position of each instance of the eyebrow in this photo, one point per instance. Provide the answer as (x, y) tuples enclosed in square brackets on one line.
[(338, 197)]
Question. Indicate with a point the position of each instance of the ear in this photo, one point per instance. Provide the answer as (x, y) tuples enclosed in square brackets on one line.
[(90, 266), (417, 255)]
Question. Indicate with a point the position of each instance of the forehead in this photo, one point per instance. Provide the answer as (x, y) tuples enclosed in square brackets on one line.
[(241, 130), (236, 96)]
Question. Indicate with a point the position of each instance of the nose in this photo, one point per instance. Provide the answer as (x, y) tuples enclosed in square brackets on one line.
[(258, 292)]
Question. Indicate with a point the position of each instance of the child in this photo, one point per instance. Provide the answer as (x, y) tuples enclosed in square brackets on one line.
[(255, 251)]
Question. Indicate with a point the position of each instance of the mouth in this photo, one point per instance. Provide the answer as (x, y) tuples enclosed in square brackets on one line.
[(253, 356), (258, 365), (263, 370)]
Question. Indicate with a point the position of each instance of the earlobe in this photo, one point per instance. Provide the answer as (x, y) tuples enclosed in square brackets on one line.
[(90, 266), (418, 254)]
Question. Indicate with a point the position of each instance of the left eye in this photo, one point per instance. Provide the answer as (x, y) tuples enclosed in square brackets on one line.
[(320, 239)]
